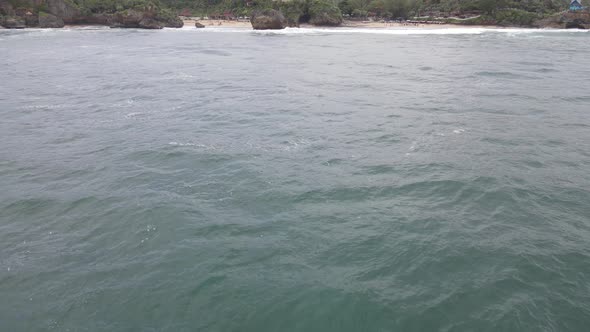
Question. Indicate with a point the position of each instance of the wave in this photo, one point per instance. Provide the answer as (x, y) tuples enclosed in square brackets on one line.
[(382, 31), (322, 31), (319, 31)]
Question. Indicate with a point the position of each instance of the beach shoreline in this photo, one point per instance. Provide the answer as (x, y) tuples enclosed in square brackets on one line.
[(345, 24)]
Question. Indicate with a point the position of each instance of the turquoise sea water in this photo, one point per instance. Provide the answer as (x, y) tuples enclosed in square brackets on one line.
[(306, 180)]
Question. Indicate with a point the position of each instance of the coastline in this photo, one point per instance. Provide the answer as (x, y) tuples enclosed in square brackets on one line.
[(346, 24)]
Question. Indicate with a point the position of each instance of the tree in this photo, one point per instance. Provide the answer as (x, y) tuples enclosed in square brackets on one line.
[(397, 8), (360, 4), (345, 7), (377, 7), (488, 6)]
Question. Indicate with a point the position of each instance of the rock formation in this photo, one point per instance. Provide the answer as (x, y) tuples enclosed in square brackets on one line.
[(576, 24), (131, 19), (171, 22), (268, 19), (50, 21), (567, 20), (56, 13), (13, 23)]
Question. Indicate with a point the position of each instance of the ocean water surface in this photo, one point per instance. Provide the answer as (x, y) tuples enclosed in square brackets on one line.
[(302, 180)]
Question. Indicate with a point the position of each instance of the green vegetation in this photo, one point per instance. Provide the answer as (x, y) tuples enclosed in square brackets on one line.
[(324, 13), (99, 6), (113, 6), (151, 14), (294, 11), (516, 17), (32, 5), (330, 12)]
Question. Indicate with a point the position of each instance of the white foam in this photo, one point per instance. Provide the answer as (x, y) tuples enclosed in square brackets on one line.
[(524, 30), (181, 144), (203, 146), (458, 30), (133, 114), (380, 31), (316, 31)]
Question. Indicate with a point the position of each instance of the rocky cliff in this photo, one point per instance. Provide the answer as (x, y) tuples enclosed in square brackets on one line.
[(55, 13)]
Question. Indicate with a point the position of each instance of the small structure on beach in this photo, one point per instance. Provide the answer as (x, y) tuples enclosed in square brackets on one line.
[(575, 6)]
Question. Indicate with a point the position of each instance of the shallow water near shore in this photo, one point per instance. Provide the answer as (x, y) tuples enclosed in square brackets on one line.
[(303, 180)]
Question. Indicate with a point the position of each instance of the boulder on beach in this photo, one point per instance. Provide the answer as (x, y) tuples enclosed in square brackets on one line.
[(149, 23), (127, 19), (199, 25), (135, 19), (50, 21), (171, 22), (268, 19)]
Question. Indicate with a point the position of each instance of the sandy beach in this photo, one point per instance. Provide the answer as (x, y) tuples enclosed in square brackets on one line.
[(345, 24), (375, 25), (218, 23)]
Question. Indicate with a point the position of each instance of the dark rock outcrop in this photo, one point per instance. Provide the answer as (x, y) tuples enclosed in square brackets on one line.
[(150, 23), (13, 22), (144, 20), (199, 25), (26, 14), (127, 19), (132, 18), (575, 24), (50, 21), (171, 22), (568, 20), (31, 20), (268, 19)]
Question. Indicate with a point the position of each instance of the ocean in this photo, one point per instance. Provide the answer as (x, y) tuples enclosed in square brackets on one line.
[(223, 179)]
